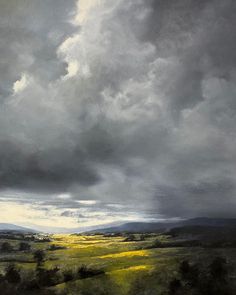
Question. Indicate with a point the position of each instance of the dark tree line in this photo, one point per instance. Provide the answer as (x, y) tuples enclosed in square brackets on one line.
[(212, 279), (14, 282), (6, 247)]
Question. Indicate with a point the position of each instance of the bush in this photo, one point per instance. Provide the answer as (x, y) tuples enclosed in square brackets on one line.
[(68, 275), (24, 246), (6, 247), (85, 272), (189, 273), (12, 275), (175, 287), (130, 238), (7, 289), (47, 278), (142, 237), (54, 247), (157, 244), (218, 268), (202, 280), (39, 256)]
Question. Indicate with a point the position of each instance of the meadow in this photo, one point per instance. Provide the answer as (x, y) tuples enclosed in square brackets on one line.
[(119, 266)]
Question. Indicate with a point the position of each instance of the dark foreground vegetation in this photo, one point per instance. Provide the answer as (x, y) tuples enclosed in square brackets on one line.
[(214, 278), (14, 281), (210, 279)]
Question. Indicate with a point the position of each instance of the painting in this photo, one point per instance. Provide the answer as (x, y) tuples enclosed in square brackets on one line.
[(117, 147)]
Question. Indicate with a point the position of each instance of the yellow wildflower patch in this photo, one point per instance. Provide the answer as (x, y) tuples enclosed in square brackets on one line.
[(126, 254)]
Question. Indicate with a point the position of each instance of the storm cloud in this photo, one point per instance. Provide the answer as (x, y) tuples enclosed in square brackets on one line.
[(127, 103)]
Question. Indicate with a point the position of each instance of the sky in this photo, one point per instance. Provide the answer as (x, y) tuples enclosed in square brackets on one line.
[(116, 110)]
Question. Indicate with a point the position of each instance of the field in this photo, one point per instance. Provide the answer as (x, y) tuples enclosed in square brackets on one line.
[(124, 267)]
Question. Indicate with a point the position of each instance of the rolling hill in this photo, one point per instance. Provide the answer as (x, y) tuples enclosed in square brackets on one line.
[(165, 226), (13, 227)]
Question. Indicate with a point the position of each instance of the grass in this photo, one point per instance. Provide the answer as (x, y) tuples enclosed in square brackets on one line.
[(126, 264)]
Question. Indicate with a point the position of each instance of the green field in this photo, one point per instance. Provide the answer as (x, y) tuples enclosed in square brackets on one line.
[(128, 266)]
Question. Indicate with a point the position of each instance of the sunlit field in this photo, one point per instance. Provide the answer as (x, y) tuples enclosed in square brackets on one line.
[(126, 265), (122, 262)]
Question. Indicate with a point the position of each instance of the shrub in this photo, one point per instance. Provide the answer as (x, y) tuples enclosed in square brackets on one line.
[(203, 280), (12, 275), (218, 268), (175, 287), (47, 277), (6, 247), (54, 247), (24, 246), (39, 256), (85, 272), (130, 238), (189, 273), (142, 237), (68, 275)]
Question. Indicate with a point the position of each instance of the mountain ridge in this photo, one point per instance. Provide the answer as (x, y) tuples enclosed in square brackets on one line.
[(13, 227), (164, 226), (137, 226)]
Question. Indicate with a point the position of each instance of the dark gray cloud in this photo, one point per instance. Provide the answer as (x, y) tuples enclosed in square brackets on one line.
[(46, 170), (133, 104), (30, 33)]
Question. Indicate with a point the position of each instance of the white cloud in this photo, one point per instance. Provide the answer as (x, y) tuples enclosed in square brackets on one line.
[(26, 214), (64, 196), (21, 84), (72, 69), (84, 7), (87, 202)]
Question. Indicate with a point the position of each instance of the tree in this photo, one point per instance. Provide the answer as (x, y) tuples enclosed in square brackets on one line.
[(130, 238), (174, 287), (39, 256), (68, 275), (24, 246), (218, 269), (6, 247), (47, 277), (85, 272), (189, 273), (142, 237), (202, 279), (184, 268), (12, 275)]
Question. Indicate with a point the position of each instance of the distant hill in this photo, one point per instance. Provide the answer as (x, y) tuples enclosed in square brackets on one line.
[(206, 232), (137, 227), (204, 221), (13, 227)]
